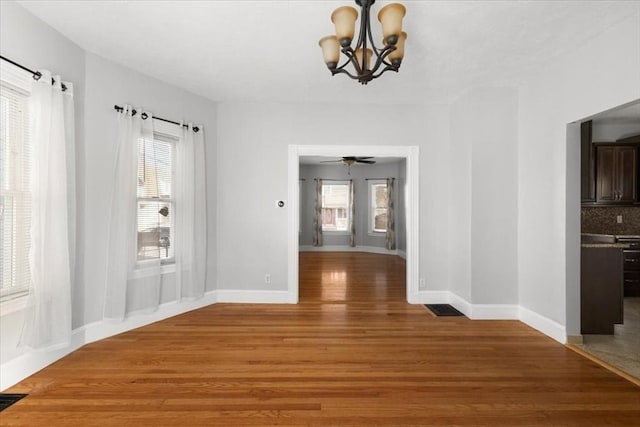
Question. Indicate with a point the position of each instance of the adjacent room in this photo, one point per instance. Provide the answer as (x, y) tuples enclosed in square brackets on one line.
[(245, 212)]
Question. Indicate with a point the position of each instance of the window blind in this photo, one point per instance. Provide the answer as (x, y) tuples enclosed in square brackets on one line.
[(155, 198), (15, 192)]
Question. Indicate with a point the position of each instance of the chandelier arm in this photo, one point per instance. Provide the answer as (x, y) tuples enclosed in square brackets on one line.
[(343, 71), (351, 59), (373, 45), (364, 21), (381, 58), (385, 69)]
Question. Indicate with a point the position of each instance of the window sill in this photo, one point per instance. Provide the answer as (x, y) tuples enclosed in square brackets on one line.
[(377, 233), (335, 233), (143, 270), (13, 305)]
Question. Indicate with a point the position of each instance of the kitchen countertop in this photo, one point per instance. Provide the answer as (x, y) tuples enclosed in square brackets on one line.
[(606, 245), (590, 240)]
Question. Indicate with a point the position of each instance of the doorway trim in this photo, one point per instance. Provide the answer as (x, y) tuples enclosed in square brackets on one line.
[(412, 211)]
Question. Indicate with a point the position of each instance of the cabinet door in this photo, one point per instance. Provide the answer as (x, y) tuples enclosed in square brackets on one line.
[(626, 174), (605, 175), (587, 157)]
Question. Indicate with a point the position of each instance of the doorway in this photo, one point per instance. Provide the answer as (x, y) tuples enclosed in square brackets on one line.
[(590, 219), (411, 196)]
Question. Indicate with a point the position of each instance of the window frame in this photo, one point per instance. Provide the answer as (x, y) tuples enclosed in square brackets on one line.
[(20, 81), (166, 132), (371, 207), (349, 219)]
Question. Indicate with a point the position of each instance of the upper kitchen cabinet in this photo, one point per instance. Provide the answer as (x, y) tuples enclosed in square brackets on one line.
[(587, 167), (616, 174)]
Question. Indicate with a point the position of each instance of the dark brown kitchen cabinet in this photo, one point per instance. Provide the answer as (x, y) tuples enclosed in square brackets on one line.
[(601, 278), (632, 272), (587, 169), (616, 174)]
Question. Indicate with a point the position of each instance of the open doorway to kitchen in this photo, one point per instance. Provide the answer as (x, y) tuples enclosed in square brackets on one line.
[(408, 156), (603, 236)]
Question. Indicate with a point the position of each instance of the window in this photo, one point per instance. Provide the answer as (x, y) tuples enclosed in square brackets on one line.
[(378, 206), (335, 207), (15, 192), (156, 205)]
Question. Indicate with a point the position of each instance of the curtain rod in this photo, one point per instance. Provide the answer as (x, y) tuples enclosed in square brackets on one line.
[(145, 116), (35, 74), (351, 179)]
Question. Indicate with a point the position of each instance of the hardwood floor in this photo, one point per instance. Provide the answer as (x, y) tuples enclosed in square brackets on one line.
[(351, 353)]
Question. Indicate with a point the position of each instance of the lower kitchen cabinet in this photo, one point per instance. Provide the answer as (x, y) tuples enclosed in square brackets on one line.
[(632, 273), (601, 279)]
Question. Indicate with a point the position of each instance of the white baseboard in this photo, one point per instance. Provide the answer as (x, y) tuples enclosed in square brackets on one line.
[(432, 297), (256, 296), (339, 248), (19, 368), (543, 324)]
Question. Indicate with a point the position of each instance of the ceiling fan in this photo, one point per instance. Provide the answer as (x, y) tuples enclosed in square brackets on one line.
[(350, 160)]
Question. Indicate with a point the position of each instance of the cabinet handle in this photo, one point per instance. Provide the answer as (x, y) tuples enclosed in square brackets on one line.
[(631, 280), (632, 260)]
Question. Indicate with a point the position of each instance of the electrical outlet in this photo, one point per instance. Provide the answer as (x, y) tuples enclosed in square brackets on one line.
[(422, 283), (619, 219), (267, 278)]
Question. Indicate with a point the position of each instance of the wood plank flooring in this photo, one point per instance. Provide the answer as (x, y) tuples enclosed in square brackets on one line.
[(351, 353)]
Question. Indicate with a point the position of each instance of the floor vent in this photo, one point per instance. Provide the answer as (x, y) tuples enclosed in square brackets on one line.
[(443, 310), (7, 400)]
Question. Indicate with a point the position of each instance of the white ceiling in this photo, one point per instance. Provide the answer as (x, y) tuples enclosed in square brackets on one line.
[(268, 51)]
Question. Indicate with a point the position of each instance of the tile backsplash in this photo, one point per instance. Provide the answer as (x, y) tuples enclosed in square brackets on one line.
[(602, 220)]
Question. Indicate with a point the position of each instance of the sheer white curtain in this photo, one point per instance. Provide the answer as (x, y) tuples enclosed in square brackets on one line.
[(390, 236), (52, 257), (352, 213), (130, 285), (317, 215), (191, 213)]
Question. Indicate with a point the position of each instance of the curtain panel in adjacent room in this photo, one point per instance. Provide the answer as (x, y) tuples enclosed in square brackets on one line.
[(352, 213), (317, 217), (391, 215)]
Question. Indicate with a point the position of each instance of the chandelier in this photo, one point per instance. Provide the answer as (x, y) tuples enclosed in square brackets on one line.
[(365, 51)]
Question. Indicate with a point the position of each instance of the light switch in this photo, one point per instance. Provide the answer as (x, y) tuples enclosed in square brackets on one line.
[(619, 219)]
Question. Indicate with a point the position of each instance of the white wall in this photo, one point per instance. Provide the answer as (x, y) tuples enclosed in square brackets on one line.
[(359, 174), (483, 178), (252, 231), (597, 76)]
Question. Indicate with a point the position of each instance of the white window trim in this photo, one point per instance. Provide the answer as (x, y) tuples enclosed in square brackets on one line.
[(339, 232), (167, 265), (22, 80), (370, 229)]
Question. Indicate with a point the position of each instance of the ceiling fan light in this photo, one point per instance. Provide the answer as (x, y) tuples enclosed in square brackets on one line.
[(366, 65), (397, 55), (390, 17), (330, 50), (344, 19)]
